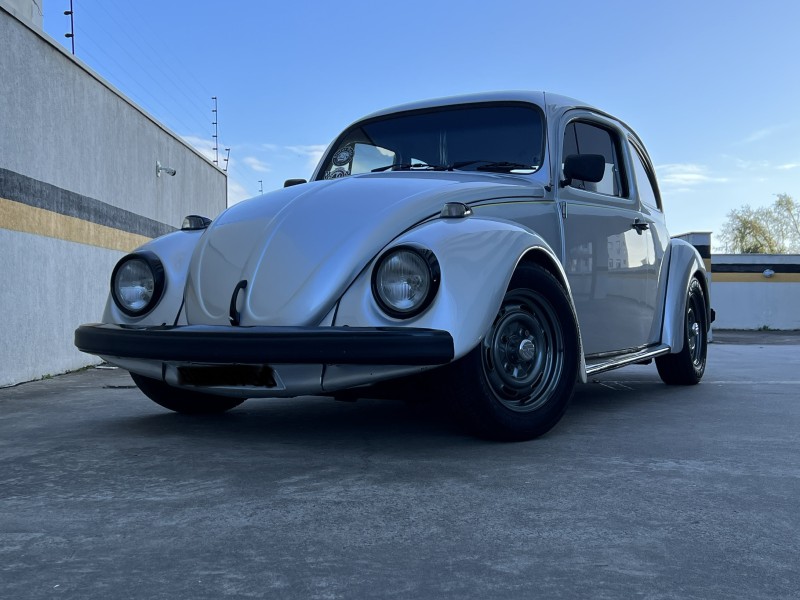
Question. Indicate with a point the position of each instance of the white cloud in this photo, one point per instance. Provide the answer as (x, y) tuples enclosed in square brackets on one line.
[(751, 165), (256, 164), (766, 132), (685, 175), (236, 192), (760, 165), (203, 146), (312, 152), (759, 135)]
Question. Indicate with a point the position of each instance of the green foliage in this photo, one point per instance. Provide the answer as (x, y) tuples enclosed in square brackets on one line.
[(771, 229)]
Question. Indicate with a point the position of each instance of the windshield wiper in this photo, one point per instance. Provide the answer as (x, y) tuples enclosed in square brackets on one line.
[(495, 166), (409, 166)]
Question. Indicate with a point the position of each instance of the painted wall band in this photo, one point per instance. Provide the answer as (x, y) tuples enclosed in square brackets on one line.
[(754, 268), (38, 194), (755, 278), (29, 219)]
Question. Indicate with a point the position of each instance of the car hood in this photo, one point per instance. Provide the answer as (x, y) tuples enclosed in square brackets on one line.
[(299, 248)]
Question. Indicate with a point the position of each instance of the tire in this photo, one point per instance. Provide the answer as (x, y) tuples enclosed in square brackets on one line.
[(181, 400), (687, 366), (516, 384)]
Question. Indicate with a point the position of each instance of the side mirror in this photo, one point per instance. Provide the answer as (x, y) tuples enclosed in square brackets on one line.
[(585, 167), (291, 182)]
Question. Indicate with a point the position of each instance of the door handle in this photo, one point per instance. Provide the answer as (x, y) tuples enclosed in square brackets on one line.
[(639, 226)]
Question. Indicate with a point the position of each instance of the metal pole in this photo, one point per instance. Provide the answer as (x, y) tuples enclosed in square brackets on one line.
[(216, 132), (71, 34)]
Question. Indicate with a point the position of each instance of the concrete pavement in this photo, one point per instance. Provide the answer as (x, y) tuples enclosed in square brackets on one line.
[(642, 491)]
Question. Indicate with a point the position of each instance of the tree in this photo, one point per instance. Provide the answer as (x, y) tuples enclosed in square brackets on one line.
[(786, 217), (771, 229)]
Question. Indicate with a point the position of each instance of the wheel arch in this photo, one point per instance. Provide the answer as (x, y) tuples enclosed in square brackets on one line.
[(546, 260), (478, 258), (685, 264)]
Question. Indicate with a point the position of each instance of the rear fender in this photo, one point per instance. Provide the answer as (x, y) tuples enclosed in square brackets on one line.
[(685, 262)]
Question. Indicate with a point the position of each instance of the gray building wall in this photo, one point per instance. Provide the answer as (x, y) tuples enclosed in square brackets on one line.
[(28, 11), (78, 189), (755, 291)]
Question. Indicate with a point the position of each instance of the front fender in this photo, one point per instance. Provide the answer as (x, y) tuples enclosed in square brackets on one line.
[(175, 252), (684, 263), (477, 257)]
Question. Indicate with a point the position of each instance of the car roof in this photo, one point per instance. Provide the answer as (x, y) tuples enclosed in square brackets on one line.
[(543, 99)]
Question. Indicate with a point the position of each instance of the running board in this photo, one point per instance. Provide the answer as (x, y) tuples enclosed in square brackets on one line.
[(627, 359)]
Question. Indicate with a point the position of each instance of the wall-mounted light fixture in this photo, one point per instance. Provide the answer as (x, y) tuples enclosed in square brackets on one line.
[(167, 170)]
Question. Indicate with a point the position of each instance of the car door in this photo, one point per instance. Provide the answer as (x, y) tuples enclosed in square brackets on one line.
[(657, 237), (605, 249)]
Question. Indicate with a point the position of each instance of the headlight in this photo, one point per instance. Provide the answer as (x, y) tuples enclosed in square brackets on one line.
[(137, 283), (405, 281)]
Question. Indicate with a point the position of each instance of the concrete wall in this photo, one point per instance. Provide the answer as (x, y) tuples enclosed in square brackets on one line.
[(28, 11), (78, 189), (752, 291)]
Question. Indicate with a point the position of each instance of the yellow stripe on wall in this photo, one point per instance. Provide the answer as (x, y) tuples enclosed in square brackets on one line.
[(28, 219), (754, 278)]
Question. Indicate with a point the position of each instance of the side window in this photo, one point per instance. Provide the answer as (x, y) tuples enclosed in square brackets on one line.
[(581, 137), (645, 181)]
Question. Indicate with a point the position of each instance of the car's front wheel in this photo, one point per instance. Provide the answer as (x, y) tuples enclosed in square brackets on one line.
[(687, 366), (516, 384), (181, 400)]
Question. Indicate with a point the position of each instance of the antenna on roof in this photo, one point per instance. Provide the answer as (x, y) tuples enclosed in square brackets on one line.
[(227, 158)]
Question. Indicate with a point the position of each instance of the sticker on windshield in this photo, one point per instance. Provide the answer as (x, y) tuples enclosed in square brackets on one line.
[(337, 173), (343, 156)]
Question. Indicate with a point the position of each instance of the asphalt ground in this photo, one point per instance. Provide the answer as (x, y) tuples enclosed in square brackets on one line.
[(642, 491)]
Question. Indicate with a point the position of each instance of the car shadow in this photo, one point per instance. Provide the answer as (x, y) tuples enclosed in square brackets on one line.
[(386, 423), (308, 420)]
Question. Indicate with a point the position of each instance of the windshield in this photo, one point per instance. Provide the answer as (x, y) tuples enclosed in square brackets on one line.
[(487, 137)]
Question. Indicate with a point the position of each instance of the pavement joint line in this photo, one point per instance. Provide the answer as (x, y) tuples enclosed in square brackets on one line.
[(627, 382), (754, 382)]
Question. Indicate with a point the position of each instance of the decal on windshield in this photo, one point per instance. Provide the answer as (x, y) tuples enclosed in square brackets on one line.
[(337, 173), (343, 156)]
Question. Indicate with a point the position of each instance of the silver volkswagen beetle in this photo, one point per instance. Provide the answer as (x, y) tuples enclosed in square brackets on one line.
[(499, 247)]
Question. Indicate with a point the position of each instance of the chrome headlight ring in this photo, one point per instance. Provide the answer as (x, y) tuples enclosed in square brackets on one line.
[(137, 283), (405, 281)]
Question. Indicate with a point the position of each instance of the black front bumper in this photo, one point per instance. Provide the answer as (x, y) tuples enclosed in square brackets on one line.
[(269, 345)]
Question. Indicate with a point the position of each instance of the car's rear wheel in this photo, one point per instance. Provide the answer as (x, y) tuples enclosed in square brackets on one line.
[(687, 366), (516, 384), (181, 400)]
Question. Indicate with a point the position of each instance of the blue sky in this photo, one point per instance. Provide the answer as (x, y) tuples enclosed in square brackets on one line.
[(712, 87)]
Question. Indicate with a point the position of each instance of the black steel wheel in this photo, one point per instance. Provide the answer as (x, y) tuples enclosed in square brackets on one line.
[(181, 400), (517, 383), (687, 366)]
